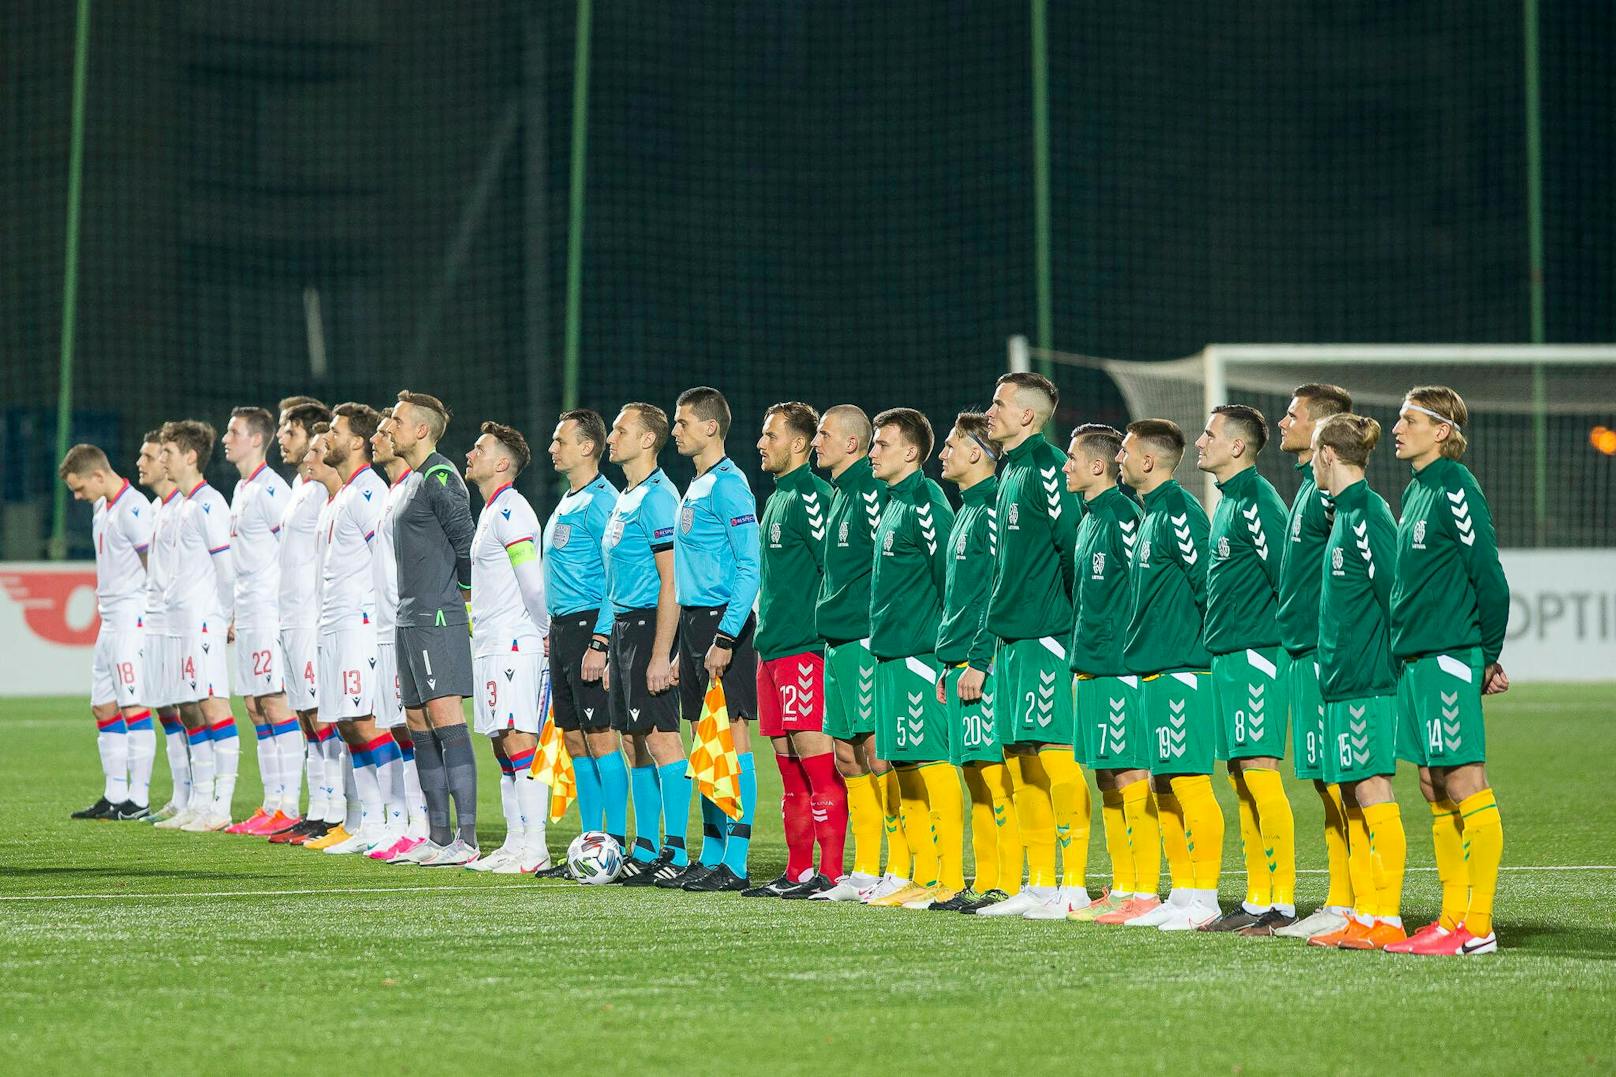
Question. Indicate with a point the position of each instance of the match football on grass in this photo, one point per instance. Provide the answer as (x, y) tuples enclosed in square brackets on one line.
[(746, 538)]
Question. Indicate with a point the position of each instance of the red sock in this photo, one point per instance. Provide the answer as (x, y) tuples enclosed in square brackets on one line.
[(795, 806), (830, 812)]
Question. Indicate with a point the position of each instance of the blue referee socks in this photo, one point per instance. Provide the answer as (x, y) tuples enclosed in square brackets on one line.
[(647, 810), (675, 809), (587, 776), (612, 774), (738, 844)]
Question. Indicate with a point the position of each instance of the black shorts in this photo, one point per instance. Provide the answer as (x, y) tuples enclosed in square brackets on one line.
[(697, 627), (433, 661), (634, 709), (579, 704)]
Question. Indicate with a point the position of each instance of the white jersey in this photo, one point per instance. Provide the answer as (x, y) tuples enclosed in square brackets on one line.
[(256, 509), (160, 562), (383, 562), (347, 586), (203, 587), (123, 531), (499, 617), (299, 603)]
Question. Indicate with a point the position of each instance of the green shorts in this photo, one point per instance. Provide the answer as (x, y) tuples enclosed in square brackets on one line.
[(1439, 710), (1111, 725), (912, 725), (1034, 692), (1247, 692), (849, 690), (971, 735), (1362, 735), (1299, 674), (1179, 711)]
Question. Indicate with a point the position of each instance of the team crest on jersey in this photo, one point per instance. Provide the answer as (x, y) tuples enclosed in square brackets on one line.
[(614, 531), (774, 533), (841, 534), (886, 543), (1015, 516), (1419, 534), (563, 532), (1296, 528), (687, 519), (1144, 554), (1336, 561), (959, 547), (1223, 548), (1097, 566)]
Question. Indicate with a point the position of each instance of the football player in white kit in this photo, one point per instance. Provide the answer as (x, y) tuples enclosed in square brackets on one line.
[(256, 509), (510, 621), (122, 532), (201, 596), (347, 677), (156, 678), (406, 825)]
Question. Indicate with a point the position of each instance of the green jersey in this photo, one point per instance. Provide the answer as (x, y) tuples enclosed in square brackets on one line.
[(1242, 570), (1305, 532), (1037, 521), (909, 569), (1450, 592), (963, 636), (1102, 596), (1169, 585), (792, 564), (857, 498), (1355, 581)]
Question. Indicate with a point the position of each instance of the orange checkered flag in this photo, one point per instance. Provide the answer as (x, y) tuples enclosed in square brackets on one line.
[(714, 765), (553, 766)]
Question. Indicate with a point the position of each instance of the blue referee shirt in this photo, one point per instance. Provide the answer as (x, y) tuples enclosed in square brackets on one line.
[(715, 553), (641, 525), (574, 571)]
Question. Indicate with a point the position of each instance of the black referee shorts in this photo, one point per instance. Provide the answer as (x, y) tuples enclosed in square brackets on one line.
[(633, 708), (579, 704), (698, 625)]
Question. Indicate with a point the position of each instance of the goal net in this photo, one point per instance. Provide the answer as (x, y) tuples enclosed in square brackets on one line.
[(1542, 427)]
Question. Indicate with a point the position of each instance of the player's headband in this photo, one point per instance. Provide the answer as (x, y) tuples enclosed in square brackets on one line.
[(1439, 418), (985, 447)]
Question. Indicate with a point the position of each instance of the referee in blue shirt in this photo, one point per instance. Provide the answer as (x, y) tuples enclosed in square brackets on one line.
[(717, 572)]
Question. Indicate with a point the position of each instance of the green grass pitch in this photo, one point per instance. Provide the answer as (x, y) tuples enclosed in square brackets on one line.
[(176, 953)]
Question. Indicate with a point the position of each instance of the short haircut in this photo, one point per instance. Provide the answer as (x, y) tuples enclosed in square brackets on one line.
[(385, 413), (591, 427), (912, 426), (321, 427), (289, 402), (259, 421), (514, 443), (1104, 442), (1162, 434), (192, 435), (974, 425), (307, 415), (152, 437), (1248, 423), (82, 459), (437, 413), (1323, 399), (653, 419), (1451, 406), (852, 419), (708, 404), (1351, 437), (801, 419), (1026, 379), (362, 421)]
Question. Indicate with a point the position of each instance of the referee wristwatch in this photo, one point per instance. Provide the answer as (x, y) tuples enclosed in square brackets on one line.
[(597, 644), (724, 642)]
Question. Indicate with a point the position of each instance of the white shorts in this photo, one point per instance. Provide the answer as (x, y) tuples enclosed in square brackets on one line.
[(116, 670), (389, 701), (157, 664), (299, 652), (259, 663), (201, 665), (347, 674), (509, 689)]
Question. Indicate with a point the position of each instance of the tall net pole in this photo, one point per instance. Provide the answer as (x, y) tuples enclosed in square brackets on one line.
[(575, 216), (1534, 242), (1040, 179)]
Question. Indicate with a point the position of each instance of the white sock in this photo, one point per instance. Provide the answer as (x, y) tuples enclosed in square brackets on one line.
[(142, 751), (226, 764), (334, 776), (1180, 897), (113, 746), (1206, 897), (372, 808), (513, 815), (414, 799), (390, 776), (353, 809), (315, 761), (289, 751), (178, 749), (533, 804), (269, 763), (202, 768)]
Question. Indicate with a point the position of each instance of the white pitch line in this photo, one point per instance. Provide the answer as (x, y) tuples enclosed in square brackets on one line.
[(530, 887)]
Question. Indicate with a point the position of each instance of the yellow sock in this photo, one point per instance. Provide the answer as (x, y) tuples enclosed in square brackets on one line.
[(1389, 848), (864, 818), (1174, 845), (1203, 828), (1035, 811), (984, 830), (1335, 847), (1116, 841), (947, 811), (1144, 836), (1360, 864), (1001, 779), (900, 855), (1277, 831), (1074, 813), (1257, 890), (917, 825), (1448, 841), (1484, 833)]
